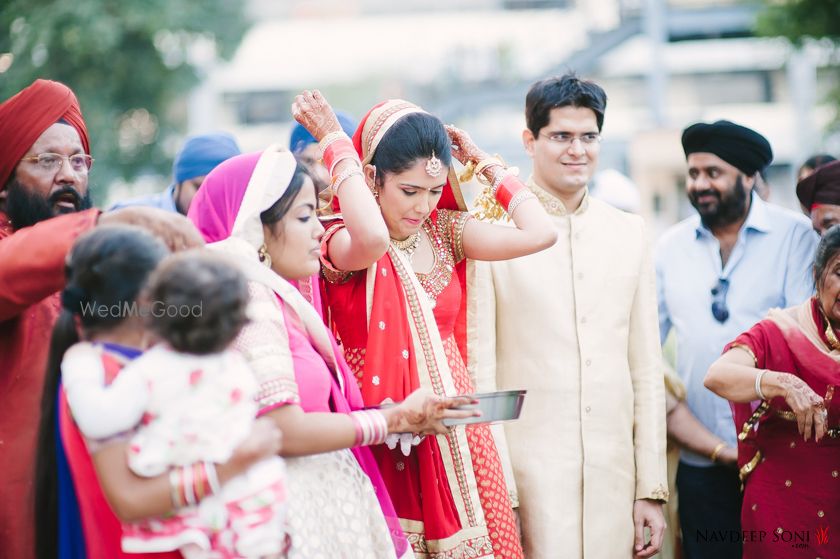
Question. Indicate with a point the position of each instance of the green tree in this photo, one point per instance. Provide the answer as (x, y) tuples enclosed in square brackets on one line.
[(801, 19), (130, 62)]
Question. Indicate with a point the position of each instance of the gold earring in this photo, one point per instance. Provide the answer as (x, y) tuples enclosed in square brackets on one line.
[(372, 184), (265, 258)]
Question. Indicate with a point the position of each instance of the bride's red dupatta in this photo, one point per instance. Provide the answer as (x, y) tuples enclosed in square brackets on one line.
[(434, 489)]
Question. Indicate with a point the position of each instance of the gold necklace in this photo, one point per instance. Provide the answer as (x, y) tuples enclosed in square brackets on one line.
[(829, 331), (407, 245), (832, 337)]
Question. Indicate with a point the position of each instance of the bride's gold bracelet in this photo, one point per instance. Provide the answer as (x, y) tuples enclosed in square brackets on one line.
[(484, 164)]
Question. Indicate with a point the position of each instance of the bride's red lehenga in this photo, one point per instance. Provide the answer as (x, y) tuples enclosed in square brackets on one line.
[(401, 331)]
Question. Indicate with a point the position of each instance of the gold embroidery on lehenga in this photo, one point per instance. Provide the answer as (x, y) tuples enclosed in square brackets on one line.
[(473, 547), (446, 238), (355, 357)]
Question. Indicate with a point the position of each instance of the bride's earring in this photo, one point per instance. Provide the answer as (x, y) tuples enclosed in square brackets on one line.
[(265, 258), (372, 186)]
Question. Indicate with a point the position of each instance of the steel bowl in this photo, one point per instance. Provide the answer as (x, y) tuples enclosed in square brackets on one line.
[(495, 407)]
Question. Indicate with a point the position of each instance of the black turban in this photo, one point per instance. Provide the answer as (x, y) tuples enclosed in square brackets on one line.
[(745, 149), (821, 187)]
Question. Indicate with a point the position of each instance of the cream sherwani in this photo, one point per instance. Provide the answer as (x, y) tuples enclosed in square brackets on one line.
[(576, 325)]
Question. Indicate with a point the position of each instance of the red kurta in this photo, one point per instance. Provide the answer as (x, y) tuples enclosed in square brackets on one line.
[(792, 495), (31, 275)]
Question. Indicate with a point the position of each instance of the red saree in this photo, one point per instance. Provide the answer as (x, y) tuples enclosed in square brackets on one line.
[(791, 487), (401, 332)]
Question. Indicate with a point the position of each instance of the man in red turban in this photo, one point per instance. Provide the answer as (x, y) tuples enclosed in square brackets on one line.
[(44, 207), (819, 193)]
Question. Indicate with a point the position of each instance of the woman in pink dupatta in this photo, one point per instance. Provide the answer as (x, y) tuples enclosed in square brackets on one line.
[(780, 377), (259, 208)]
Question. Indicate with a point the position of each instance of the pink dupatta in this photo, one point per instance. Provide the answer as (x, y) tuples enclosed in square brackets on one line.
[(226, 211)]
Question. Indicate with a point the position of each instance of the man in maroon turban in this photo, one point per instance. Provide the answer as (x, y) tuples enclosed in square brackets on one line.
[(44, 207), (819, 194)]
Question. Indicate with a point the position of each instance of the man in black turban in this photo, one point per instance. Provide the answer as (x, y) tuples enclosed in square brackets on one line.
[(819, 194), (723, 161), (718, 273)]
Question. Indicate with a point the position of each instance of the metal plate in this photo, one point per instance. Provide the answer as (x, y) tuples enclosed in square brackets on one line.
[(505, 405)]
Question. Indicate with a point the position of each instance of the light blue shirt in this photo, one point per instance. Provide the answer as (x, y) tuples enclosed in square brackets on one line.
[(164, 200), (770, 266)]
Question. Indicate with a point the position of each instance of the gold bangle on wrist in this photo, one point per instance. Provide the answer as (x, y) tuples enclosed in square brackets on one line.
[(716, 452), (483, 165)]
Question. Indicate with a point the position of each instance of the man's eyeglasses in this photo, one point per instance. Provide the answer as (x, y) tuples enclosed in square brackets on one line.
[(719, 309), (587, 140), (52, 162)]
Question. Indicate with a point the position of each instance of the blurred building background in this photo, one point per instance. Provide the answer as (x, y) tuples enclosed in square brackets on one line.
[(664, 64)]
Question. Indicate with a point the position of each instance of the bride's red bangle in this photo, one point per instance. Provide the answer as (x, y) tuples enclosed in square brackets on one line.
[(338, 151), (507, 189)]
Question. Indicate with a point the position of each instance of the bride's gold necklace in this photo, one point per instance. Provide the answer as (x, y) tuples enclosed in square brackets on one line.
[(408, 245)]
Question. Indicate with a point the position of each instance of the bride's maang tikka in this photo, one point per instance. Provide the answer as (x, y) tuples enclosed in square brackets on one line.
[(433, 166)]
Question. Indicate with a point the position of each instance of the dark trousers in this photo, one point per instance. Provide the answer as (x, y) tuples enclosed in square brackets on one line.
[(710, 511)]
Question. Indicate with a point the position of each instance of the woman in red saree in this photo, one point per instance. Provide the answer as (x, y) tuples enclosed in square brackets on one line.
[(780, 377), (403, 319)]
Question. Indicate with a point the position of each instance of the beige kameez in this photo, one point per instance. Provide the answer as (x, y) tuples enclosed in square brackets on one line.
[(576, 325)]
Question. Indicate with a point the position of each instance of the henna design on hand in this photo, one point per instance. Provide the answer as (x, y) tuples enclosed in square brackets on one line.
[(463, 147), (806, 405), (314, 113)]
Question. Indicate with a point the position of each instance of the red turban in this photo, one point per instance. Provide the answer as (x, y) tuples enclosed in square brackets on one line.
[(25, 116), (821, 187)]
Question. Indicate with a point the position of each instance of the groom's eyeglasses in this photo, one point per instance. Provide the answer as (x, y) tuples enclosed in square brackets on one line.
[(719, 309)]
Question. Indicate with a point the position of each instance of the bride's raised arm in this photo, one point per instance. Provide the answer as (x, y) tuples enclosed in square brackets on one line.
[(488, 241), (364, 239)]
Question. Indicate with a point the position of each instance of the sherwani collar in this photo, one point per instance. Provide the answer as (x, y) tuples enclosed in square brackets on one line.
[(552, 204)]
